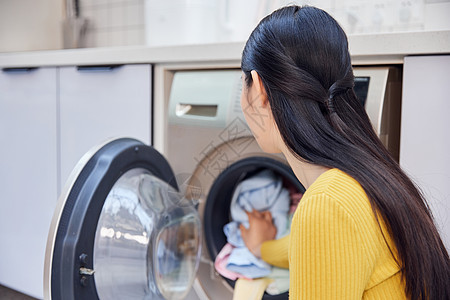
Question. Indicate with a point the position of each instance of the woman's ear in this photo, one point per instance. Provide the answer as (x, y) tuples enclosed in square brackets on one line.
[(260, 90)]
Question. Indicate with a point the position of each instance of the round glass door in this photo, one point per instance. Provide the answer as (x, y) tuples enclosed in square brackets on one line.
[(121, 229), (147, 240)]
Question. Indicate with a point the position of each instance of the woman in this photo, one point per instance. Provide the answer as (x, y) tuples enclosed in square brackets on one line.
[(362, 229)]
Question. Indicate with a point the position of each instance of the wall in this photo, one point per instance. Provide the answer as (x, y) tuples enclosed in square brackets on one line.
[(30, 25), (36, 25), (113, 22), (207, 21)]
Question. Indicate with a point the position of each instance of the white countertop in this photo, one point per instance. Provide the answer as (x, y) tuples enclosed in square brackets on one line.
[(388, 48)]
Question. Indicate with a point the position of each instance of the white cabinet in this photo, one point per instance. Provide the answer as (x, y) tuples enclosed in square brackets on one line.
[(425, 135), (28, 174), (98, 103), (49, 117)]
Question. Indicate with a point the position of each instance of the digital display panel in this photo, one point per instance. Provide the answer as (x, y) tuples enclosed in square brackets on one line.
[(361, 88)]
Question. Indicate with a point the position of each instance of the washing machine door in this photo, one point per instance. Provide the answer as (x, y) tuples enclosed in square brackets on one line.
[(121, 229)]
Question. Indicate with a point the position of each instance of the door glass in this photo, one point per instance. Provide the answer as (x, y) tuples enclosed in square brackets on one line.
[(147, 242)]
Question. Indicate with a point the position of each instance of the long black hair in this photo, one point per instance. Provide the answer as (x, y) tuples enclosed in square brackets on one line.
[(301, 55)]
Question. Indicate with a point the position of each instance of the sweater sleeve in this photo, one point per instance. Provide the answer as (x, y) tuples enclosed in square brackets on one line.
[(326, 256), (275, 252)]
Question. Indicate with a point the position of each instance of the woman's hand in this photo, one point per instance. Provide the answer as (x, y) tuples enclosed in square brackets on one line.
[(261, 229)]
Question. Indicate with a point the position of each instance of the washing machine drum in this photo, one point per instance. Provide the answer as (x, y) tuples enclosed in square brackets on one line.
[(121, 229), (220, 196)]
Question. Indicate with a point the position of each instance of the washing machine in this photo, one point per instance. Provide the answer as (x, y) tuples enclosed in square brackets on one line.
[(206, 139), (211, 150), (132, 223)]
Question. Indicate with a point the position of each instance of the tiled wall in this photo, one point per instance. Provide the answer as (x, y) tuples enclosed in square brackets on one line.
[(113, 22), (174, 22)]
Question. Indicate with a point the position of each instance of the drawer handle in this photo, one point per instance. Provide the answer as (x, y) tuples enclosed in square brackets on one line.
[(100, 68), (19, 70)]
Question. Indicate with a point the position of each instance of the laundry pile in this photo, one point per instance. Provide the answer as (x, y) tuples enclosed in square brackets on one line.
[(264, 191)]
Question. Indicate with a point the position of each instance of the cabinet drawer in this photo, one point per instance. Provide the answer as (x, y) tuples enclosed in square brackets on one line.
[(98, 103), (28, 172)]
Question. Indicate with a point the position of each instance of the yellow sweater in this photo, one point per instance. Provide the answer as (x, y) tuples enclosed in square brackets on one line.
[(336, 249)]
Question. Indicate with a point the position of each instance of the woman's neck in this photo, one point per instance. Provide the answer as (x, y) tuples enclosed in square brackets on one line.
[(305, 172)]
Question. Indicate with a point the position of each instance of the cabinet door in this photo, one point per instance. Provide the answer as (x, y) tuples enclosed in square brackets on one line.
[(28, 173), (99, 103), (425, 137)]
